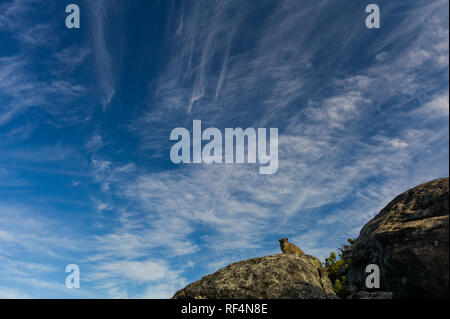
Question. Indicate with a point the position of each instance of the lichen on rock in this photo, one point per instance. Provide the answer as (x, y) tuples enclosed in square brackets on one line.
[(280, 276)]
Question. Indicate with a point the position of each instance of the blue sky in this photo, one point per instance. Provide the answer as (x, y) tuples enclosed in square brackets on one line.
[(86, 115)]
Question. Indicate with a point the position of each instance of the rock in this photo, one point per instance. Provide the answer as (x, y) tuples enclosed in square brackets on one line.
[(408, 240), (371, 295), (273, 277)]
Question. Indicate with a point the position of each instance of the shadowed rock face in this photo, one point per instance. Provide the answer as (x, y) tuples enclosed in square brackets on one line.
[(272, 277), (408, 240)]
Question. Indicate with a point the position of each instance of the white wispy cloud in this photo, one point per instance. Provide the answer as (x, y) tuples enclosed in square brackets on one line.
[(24, 84), (11, 293), (438, 107), (95, 143), (71, 57), (26, 229), (27, 239), (99, 14), (21, 90)]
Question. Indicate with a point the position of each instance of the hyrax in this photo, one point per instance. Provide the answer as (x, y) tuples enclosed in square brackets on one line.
[(288, 248)]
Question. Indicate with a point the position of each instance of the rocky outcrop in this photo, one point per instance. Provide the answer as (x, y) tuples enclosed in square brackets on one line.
[(408, 240), (273, 277)]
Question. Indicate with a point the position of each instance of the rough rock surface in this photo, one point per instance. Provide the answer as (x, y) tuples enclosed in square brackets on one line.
[(408, 240), (273, 277), (371, 295)]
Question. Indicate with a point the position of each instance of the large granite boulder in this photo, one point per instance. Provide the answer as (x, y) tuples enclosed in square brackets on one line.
[(408, 240), (272, 277)]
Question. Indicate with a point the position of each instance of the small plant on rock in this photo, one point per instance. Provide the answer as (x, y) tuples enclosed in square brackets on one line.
[(337, 269)]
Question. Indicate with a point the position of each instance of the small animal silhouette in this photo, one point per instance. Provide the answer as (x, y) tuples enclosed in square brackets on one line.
[(288, 248)]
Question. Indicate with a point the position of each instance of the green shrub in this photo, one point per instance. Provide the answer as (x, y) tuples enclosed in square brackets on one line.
[(337, 269)]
